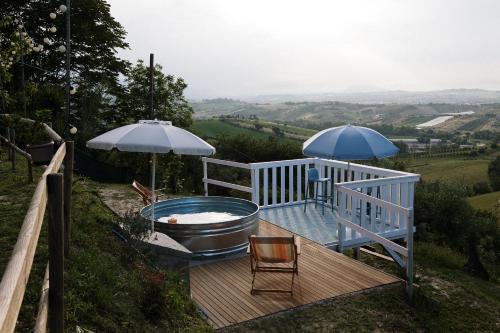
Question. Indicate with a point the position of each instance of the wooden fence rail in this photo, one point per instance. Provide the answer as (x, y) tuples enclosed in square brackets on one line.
[(16, 275)]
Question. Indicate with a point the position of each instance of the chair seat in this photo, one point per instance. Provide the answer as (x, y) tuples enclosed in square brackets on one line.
[(322, 180)]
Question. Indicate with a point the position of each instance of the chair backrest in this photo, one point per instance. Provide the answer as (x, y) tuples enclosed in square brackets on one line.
[(143, 191), (273, 249), (312, 174)]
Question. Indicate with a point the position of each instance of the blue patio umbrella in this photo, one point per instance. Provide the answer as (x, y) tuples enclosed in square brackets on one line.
[(349, 143)]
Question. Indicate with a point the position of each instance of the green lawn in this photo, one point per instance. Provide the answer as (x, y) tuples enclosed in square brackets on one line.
[(468, 171), (487, 202)]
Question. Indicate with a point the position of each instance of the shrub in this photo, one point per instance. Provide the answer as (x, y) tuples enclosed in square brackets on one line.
[(135, 226), (481, 188), (494, 173)]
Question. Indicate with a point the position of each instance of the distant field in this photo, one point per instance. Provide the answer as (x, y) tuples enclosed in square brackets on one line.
[(452, 169), (485, 201), (212, 128)]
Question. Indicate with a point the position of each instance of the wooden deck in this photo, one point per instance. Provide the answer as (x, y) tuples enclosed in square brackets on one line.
[(222, 289)]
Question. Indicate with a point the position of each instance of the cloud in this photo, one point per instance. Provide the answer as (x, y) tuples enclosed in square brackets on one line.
[(251, 47)]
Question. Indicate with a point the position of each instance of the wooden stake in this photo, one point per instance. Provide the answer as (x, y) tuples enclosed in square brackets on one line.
[(56, 252)]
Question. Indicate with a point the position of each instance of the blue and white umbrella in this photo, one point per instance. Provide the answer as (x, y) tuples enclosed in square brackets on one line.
[(349, 143), (152, 136)]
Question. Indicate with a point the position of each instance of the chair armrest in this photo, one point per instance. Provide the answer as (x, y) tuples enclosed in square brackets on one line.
[(297, 244)]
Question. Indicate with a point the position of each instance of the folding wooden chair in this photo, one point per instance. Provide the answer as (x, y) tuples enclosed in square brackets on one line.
[(278, 254), (145, 193)]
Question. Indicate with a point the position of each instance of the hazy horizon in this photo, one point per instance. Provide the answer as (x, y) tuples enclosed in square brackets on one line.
[(226, 48)]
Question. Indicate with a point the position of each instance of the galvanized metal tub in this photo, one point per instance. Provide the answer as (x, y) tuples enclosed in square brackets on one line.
[(208, 239)]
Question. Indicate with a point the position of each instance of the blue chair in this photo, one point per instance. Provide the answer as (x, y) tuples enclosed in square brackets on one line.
[(313, 177)]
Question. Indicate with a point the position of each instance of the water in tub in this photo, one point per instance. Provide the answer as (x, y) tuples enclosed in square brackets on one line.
[(199, 218)]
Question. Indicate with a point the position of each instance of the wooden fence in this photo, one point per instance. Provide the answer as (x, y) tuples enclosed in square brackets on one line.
[(53, 190), (13, 149)]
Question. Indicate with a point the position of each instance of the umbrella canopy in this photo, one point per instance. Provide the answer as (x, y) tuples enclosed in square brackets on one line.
[(349, 143), (152, 136)]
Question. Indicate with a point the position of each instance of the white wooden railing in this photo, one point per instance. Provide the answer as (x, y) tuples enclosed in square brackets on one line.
[(373, 205), (363, 218), (281, 183)]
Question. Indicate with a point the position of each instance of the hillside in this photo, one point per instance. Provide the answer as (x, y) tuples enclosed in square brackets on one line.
[(330, 113)]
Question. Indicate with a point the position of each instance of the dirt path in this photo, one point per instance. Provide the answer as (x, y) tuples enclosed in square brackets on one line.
[(119, 197)]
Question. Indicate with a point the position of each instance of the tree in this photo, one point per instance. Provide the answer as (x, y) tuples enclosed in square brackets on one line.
[(169, 101), (444, 216), (494, 173), (95, 39)]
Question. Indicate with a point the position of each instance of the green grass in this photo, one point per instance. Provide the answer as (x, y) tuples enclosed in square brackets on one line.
[(15, 197), (488, 202), (468, 171), (108, 286)]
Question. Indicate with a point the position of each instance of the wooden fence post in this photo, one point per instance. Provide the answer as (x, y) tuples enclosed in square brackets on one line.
[(68, 187), (30, 169), (56, 252), (9, 151), (13, 152)]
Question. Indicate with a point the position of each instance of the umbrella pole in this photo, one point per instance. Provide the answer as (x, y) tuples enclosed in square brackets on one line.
[(153, 195)]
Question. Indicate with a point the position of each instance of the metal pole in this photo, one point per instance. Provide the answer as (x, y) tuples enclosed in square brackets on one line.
[(153, 197), (68, 186), (3, 99), (151, 85), (68, 67), (23, 85), (151, 116)]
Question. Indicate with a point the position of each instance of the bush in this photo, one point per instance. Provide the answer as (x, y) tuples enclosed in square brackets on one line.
[(442, 212), (135, 226), (444, 216), (494, 173), (481, 188)]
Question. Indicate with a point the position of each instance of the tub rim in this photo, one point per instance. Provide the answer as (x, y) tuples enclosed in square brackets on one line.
[(201, 196)]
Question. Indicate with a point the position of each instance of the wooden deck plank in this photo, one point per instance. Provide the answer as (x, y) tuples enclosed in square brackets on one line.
[(222, 288)]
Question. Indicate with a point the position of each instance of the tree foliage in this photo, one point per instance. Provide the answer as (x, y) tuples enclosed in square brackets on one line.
[(444, 216), (95, 39), (169, 102), (494, 173)]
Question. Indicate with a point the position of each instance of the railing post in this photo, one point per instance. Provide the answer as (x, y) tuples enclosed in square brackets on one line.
[(341, 234), (56, 252), (205, 176), (409, 260), (68, 187), (252, 183)]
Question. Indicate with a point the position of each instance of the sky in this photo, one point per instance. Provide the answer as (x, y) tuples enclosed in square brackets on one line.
[(231, 48)]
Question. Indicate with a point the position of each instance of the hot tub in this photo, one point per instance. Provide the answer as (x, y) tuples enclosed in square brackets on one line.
[(207, 226)]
